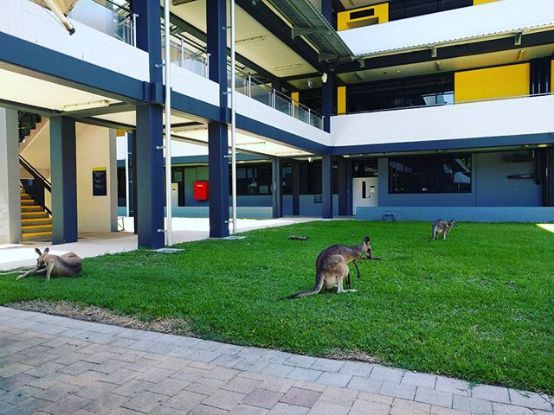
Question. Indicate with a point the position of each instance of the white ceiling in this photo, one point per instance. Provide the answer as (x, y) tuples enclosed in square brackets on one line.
[(253, 40)]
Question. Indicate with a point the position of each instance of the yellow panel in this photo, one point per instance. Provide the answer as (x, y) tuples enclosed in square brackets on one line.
[(120, 133), (341, 100), (364, 16), (476, 2), (490, 83), (295, 96)]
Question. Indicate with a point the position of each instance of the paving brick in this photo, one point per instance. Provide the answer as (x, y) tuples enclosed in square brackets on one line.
[(20, 394), (77, 368), (398, 390), (286, 409), (277, 369), (335, 379), (306, 375), (327, 365), (12, 369), (106, 405), (365, 385), (15, 381), (277, 384), (145, 401), (300, 361), (437, 410), (221, 373), (166, 410), (132, 388), (529, 399), (474, 405), (87, 378), (169, 387), (57, 392), (387, 373), (361, 407), (248, 410), (224, 399), (503, 409), (491, 393), (50, 380), (455, 386), (120, 376), (403, 407), (419, 379), (207, 410), (339, 396), (185, 401), (357, 369), (328, 408), (242, 385), (205, 386), (67, 406), (301, 397), (142, 365), (29, 406), (263, 398), (189, 374), (155, 375), (373, 397), (434, 397)]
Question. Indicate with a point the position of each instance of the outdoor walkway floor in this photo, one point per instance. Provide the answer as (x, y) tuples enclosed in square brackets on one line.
[(94, 244), (55, 365)]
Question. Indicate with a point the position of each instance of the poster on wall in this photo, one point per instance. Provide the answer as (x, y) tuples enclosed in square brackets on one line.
[(99, 181)]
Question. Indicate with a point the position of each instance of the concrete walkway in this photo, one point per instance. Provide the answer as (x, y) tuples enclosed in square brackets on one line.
[(94, 244), (54, 365)]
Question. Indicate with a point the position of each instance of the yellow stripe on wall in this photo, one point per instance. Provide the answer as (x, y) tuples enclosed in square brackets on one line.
[(364, 16), (341, 100), (476, 2), (295, 96), (489, 83)]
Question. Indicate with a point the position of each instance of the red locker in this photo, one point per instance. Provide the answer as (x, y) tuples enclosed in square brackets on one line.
[(201, 190)]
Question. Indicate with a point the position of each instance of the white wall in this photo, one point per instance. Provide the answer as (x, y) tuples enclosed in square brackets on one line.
[(93, 151), (33, 23), (506, 16), (507, 117)]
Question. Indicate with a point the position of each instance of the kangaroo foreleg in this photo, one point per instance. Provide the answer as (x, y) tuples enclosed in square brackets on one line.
[(49, 268)]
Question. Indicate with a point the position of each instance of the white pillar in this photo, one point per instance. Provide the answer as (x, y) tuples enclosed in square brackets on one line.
[(10, 202)]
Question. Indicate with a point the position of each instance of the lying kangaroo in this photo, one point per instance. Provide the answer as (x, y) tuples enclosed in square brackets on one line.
[(442, 226), (332, 269), (66, 265)]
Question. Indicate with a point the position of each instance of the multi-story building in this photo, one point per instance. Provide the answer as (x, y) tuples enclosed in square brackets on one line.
[(412, 109)]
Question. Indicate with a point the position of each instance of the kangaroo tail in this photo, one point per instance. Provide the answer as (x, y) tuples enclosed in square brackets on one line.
[(316, 290)]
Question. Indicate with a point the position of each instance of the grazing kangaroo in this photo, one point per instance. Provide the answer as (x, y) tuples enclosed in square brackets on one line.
[(442, 226), (332, 269), (66, 265)]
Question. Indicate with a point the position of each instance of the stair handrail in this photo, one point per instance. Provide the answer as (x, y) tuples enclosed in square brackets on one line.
[(35, 173)]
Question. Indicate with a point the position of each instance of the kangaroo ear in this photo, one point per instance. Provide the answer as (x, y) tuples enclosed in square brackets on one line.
[(38, 251), (46, 250), (366, 239)]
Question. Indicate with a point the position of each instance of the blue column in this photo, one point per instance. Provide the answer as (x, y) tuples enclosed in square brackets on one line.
[(149, 34), (132, 178), (327, 10), (276, 188), (345, 186), (327, 187), (218, 142), (296, 187), (218, 148), (150, 176), (64, 179)]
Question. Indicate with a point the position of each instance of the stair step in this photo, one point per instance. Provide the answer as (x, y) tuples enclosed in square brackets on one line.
[(36, 221), (27, 202), (37, 236), (34, 215), (36, 228), (25, 196), (33, 208)]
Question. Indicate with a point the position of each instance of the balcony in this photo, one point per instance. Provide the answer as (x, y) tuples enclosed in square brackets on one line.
[(491, 118)]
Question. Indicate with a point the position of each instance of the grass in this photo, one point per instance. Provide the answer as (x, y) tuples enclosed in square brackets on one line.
[(479, 305)]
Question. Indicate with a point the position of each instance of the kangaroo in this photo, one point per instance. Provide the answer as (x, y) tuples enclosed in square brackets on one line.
[(66, 265), (442, 226), (332, 269)]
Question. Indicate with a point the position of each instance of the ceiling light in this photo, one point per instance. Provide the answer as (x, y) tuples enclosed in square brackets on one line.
[(86, 105)]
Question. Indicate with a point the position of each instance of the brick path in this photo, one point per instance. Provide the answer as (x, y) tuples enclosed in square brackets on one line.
[(55, 365)]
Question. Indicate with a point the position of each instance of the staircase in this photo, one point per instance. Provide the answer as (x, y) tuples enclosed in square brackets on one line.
[(36, 223)]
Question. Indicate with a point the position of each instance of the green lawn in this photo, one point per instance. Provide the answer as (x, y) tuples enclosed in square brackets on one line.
[(479, 305)]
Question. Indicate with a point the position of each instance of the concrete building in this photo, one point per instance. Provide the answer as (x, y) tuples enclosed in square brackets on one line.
[(412, 109)]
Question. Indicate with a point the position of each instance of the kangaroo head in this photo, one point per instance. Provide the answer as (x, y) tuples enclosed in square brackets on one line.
[(366, 246), (41, 255), (452, 223)]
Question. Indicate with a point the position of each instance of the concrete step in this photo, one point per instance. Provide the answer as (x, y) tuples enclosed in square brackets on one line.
[(33, 208), (34, 215), (36, 236), (25, 196), (27, 202), (36, 221), (36, 228)]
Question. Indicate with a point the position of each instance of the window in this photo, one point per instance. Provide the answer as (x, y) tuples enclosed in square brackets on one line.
[(430, 174), (253, 180)]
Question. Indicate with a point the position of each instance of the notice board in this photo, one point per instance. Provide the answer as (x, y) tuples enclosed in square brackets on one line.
[(99, 181)]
